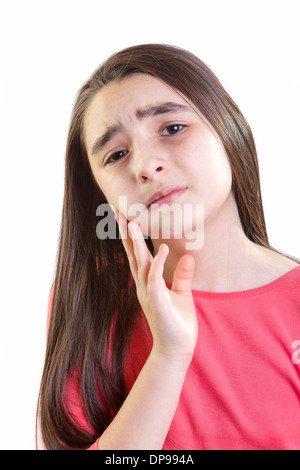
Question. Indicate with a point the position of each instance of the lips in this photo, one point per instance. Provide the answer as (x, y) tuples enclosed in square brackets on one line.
[(166, 195)]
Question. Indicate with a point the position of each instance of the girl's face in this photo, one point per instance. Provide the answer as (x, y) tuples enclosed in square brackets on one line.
[(143, 137)]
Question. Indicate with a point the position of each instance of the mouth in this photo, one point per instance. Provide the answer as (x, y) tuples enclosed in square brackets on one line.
[(166, 195)]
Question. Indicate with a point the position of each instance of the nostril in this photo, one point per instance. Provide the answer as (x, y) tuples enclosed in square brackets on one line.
[(144, 178)]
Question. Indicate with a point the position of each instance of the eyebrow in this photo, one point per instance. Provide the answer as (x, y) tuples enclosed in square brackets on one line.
[(106, 137), (147, 112), (163, 108)]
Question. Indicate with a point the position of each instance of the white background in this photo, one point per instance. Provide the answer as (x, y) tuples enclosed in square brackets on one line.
[(48, 49)]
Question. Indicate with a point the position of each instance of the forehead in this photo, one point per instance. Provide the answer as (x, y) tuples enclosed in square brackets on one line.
[(122, 98)]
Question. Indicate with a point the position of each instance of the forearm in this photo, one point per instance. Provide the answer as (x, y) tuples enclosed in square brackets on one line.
[(145, 417)]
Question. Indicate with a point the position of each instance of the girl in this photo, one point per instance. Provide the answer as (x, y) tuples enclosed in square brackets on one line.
[(151, 344)]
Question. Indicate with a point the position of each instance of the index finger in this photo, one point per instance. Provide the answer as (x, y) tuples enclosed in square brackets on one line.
[(128, 244)]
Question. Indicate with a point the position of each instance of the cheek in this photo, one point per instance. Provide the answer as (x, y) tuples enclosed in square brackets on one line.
[(219, 187), (221, 175), (209, 170), (117, 196), (218, 181), (117, 192), (108, 189)]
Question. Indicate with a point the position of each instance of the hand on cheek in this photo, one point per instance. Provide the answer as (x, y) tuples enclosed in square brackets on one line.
[(170, 313)]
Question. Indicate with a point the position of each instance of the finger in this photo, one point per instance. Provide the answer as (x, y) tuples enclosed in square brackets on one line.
[(183, 275), (142, 254), (157, 267), (127, 242), (122, 224)]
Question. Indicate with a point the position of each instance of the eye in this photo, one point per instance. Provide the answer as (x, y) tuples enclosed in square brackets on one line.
[(114, 157), (173, 129)]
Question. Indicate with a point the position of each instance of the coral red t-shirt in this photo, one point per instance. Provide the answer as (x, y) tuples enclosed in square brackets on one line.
[(242, 389)]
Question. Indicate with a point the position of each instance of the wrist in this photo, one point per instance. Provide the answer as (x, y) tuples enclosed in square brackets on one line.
[(168, 360)]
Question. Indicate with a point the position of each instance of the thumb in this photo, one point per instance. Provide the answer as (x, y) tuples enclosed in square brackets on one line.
[(183, 275)]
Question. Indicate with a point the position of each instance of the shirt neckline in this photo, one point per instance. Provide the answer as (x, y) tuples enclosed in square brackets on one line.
[(244, 293)]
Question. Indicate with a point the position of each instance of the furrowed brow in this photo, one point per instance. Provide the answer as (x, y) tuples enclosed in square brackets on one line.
[(150, 111), (106, 137), (163, 108)]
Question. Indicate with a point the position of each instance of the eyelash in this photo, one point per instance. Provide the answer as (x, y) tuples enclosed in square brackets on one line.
[(180, 126)]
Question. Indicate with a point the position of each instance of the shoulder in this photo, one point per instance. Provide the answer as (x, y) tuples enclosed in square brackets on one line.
[(273, 264)]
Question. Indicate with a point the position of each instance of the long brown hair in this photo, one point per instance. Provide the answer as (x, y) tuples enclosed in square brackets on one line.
[(94, 305)]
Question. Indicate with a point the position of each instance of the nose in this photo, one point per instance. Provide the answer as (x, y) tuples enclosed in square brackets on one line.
[(148, 165), (142, 178)]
